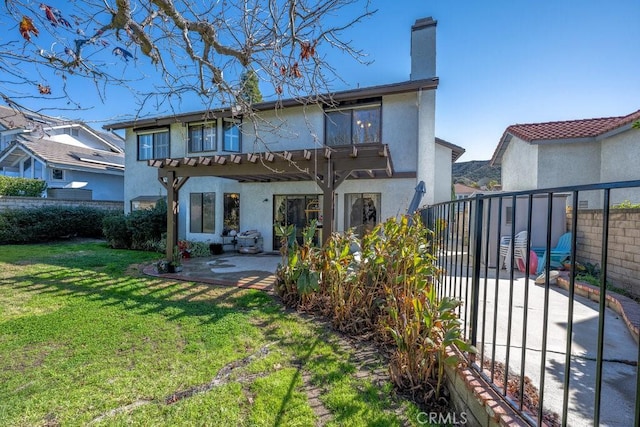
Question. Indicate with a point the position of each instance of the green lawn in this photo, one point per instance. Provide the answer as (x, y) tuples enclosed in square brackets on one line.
[(85, 338)]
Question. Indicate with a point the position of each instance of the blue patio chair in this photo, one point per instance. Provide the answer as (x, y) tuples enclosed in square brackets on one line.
[(561, 252)]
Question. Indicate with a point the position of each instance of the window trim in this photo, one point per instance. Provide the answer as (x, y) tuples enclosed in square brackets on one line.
[(351, 108), (238, 124), (153, 142), (53, 177), (202, 216), (203, 125)]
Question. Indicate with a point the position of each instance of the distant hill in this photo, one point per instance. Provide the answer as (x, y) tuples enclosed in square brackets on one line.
[(475, 171)]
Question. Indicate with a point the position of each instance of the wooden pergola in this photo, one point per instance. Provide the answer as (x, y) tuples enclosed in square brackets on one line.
[(327, 166)]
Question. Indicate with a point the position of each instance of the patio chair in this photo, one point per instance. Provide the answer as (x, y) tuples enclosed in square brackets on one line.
[(506, 247), (557, 255), (520, 248)]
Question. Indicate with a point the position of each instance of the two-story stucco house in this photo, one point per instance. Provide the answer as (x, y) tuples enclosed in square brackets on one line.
[(574, 152), (350, 163), (76, 161)]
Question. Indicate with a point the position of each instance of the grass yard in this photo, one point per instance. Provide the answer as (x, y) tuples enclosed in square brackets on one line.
[(86, 339)]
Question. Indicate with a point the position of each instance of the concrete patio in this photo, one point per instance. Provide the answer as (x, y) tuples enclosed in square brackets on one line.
[(255, 271)]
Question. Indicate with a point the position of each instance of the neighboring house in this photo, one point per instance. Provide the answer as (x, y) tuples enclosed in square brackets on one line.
[(350, 164), (566, 153), (462, 191), (75, 160)]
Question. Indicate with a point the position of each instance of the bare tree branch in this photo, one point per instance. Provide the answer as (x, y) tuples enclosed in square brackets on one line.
[(197, 48)]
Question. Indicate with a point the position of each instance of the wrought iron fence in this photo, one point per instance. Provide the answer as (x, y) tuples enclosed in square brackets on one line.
[(549, 281)]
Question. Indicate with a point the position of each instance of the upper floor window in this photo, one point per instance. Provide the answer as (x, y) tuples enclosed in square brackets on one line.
[(202, 137), (153, 145), (71, 131), (353, 126), (232, 135)]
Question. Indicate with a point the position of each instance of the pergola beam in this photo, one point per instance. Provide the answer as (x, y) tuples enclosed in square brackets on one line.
[(331, 166)]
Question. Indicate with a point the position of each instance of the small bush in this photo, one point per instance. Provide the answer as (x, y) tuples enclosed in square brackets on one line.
[(25, 187), (199, 249)]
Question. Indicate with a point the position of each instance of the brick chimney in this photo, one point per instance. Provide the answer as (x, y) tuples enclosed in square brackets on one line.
[(423, 49)]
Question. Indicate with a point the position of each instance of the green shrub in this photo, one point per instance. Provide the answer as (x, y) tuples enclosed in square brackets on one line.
[(141, 230), (50, 223), (25, 187), (199, 249), (114, 228)]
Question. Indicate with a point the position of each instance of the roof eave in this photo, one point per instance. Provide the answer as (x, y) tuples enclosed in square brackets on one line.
[(381, 90)]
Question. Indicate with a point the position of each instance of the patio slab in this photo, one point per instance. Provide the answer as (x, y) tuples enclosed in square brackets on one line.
[(252, 271)]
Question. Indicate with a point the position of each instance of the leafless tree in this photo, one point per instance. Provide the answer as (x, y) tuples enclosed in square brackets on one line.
[(198, 48)]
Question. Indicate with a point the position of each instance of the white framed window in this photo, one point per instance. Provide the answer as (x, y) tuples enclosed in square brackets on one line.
[(57, 174), (202, 137), (153, 145), (202, 212), (356, 125), (232, 136), (71, 131)]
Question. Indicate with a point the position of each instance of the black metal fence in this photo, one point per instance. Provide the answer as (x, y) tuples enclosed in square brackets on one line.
[(537, 306)]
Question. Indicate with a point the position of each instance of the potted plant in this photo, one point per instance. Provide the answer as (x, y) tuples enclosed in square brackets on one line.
[(175, 266), (162, 266)]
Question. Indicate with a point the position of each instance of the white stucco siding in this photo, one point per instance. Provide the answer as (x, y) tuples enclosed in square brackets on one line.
[(621, 162), (400, 130), (621, 157), (139, 179), (219, 186), (443, 189), (289, 129), (568, 164), (257, 214), (426, 143), (520, 166), (396, 194)]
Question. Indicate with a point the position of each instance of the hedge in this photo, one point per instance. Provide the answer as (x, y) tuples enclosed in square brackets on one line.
[(141, 229), (26, 187), (45, 224)]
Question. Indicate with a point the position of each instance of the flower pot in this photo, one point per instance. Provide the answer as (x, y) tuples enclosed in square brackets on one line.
[(175, 268)]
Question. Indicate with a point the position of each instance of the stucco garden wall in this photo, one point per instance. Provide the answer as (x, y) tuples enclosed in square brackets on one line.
[(623, 266)]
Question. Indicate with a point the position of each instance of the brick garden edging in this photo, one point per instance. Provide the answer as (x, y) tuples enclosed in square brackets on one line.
[(624, 306), (471, 394)]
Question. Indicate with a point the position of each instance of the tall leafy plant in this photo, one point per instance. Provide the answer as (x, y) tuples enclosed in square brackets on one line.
[(298, 274)]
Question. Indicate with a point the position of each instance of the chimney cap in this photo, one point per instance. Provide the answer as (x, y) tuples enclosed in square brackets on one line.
[(423, 23)]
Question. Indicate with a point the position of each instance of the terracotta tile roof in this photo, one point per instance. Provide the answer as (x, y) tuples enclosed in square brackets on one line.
[(464, 189), (570, 129)]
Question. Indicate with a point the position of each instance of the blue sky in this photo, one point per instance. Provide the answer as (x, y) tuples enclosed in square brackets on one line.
[(505, 62), (500, 62)]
